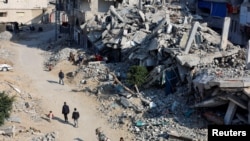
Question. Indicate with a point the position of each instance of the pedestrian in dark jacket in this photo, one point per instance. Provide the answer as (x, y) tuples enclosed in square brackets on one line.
[(65, 111), (61, 77), (75, 116)]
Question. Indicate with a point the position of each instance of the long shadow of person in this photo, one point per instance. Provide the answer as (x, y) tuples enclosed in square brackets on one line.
[(78, 139), (45, 118), (58, 119), (62, 121), (52, 81)]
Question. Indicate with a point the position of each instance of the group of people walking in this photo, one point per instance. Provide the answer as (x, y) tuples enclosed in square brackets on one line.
[(75, 114), (65, 112), (66, 109)]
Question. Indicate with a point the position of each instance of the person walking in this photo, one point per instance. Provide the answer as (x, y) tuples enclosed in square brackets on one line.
[(61, 77), (121, 139), (75, 116), (65, 111)]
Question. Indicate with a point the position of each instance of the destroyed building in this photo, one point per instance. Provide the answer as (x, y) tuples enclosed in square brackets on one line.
[(214, 11), (182, 53), (179, 48)]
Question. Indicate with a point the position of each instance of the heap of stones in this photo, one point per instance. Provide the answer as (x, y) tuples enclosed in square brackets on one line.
[(209, 72)]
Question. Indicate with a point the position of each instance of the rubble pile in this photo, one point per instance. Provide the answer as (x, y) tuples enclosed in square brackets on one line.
[(49, 137), (169, 39), (198, 69)]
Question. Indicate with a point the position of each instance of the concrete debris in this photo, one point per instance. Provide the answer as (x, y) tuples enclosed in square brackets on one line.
[(125, 102), (47, 137), (9, 131), (198, 67)]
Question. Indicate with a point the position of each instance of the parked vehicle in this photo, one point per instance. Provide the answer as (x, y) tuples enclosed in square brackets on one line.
[(5, 67)]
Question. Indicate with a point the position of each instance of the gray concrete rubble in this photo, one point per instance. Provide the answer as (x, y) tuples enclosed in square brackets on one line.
[(199, 68)]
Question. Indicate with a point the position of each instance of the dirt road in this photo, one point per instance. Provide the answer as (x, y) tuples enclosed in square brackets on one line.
[(44, 86)]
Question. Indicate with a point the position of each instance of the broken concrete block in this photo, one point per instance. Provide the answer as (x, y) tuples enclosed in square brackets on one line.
[(231, 109), (125, 32), (211, 38), (104, 33), (124, 101), (142, 15), (124, 41), (229, 83), (152, 105), (153, 45), (139, 37), (146, 26), (238, 101), (169, 28), (159, 25), (188, 60), (202, 82), (127, 95)]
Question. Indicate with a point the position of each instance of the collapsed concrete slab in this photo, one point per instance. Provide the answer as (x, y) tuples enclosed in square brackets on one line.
[(230, 113)]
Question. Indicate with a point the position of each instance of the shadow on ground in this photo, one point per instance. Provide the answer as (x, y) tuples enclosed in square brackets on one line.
[(59, 119), (78, 139), (45, 118), (52, 81)]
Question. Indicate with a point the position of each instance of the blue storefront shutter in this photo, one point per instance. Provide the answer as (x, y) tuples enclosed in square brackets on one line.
[(219, 9)]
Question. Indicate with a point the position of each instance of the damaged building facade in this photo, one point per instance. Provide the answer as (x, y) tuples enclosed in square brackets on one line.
[(80, 11), (26, 12), (214, 11)]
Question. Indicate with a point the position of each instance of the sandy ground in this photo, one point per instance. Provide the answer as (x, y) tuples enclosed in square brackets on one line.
[(31, 78)]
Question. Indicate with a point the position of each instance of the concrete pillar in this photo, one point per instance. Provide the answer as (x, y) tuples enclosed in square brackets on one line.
[(231, 109), (248, 56), (224, 37), (191, 37)]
